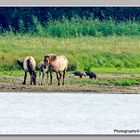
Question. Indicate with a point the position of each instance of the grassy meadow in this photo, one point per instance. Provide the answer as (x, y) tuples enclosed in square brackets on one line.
[(105, 54), (102, 47)]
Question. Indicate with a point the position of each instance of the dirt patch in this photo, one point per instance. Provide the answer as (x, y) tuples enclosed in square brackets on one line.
[(14, 84)]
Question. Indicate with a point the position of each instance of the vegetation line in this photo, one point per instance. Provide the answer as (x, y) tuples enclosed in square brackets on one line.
[(83, 53)]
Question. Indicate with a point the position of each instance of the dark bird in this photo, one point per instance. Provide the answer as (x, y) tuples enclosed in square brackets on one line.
[(91, 74), (80, 74)]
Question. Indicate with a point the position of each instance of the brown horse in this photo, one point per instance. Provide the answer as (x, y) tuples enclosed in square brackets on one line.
[(57, 64), (29, 65)]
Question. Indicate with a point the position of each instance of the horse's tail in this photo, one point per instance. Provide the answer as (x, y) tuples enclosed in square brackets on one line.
[(19, 63)]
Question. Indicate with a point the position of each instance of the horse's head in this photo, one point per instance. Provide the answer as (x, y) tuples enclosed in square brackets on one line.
[(49, 58), (33, 76), (46, 61)]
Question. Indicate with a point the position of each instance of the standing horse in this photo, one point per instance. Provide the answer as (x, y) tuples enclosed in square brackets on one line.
[(57, 64), (29, 65), (42, 72)]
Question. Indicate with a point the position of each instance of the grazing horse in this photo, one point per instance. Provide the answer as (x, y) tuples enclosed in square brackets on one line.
[(57, 64), (42, 72), (29, 65)]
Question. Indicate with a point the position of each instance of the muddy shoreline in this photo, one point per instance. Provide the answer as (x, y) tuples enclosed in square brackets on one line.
[(73, 89), (14, 84)]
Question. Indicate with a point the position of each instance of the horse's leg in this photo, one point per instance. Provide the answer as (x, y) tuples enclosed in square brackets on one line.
[(31, 80), (58, 78), (64, 72), (60, 75), (43, 79), (40, 80), (25, 76), (47, 77), (50, 77)]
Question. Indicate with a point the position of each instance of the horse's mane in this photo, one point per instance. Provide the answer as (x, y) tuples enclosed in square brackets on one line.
[(51, 57)]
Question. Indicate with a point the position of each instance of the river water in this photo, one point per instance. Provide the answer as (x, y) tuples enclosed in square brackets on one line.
[(59, 113)]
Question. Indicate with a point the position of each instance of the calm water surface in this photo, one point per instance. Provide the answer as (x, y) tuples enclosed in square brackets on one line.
[(58, 113)]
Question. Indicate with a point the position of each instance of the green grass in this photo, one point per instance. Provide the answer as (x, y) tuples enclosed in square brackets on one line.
[(83, 27), (117, 70), (112, 53), (104, 81), (96, 70), (12, 73), (76, 27), (127, 82)]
